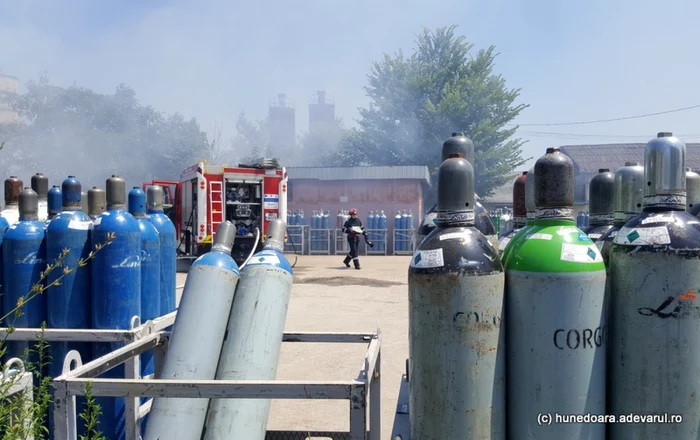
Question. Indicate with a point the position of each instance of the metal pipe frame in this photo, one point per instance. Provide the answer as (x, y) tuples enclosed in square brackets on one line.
[(20, 383), (407, 237), (320, 241), (138, 329), (295, 240), (376, 236), (362, 392)]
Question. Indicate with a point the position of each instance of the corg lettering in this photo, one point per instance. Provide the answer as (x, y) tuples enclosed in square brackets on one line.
[(575, 339)]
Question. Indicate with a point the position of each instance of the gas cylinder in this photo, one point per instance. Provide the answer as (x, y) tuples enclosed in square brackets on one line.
[(456, 339), (371, 225), (97, 201), (116, 289), (68, 298), (629, 196), (555, 285), (519, 212), (460, 144), (13, 186), (313, 242), (155, 199), (40, 185), (654, 279), (504, 222), (254, 338), (68, 301), (601, 196), (54, 204), (530, 218), (398, 234), (150, 268), (382, 226), (692, 188), (84, 202), (197, 338), (3, 228), (24, 253)]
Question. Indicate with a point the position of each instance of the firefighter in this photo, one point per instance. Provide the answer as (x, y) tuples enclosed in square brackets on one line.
[(350, 227)]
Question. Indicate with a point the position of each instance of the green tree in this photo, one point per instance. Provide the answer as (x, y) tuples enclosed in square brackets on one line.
[(417, 101), (252, 139), (77, 131)]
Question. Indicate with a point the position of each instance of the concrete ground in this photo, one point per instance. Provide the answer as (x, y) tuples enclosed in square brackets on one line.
[(327, 297)]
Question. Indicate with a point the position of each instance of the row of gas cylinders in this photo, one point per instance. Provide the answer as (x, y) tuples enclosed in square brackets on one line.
[(585, 334), (103, 268), (229, 326)]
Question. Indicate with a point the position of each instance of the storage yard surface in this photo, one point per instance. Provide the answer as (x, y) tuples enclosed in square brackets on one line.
[(328, 297)]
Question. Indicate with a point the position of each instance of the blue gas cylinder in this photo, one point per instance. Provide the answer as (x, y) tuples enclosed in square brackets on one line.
[(3, 227), (382, 226), (397, 233), (116, 290), (68, 302), (150, 268), (371, 224), (155, 199), (24, 253), (54, 204)]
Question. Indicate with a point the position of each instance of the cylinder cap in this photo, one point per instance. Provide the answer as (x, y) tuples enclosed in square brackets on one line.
[(83, 202), (55, 200), (155, 198), (601, 195), (13, 186), (458, 144), (97, 201), (692, 188), (530, 205), (275, 235), (629, 192), (137, 202), (554, 185), (28, 201), (71, 192), (455, 188), (225, 235), (40, 184), (116, 192), (519, 209), (664, 172)]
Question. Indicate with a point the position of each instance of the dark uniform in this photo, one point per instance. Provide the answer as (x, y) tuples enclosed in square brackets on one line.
[(353, 241)]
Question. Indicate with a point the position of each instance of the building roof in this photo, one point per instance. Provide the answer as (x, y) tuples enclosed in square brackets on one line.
[(591, 158), (504, 193), (360, 173)]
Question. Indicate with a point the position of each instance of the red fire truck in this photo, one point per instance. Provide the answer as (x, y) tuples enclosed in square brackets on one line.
[(249, 196)]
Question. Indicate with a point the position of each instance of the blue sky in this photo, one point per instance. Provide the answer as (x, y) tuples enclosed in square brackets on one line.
[(575, 61)]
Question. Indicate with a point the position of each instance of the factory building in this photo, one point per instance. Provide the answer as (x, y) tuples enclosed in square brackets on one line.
[(372, 188), (8, 87)]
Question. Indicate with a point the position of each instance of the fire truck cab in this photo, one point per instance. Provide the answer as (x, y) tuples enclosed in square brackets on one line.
[(249, 196)]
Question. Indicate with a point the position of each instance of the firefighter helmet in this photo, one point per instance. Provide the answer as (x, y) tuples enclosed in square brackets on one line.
[(353, 211)]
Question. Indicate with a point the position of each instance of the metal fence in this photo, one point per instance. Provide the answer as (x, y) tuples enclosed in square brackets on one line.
[(320, 241), (295, 239), (363, 393), (404, 242), (341, 242), (378, 239)]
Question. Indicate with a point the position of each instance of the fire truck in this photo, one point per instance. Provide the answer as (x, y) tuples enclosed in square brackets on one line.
[(249, 196)]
